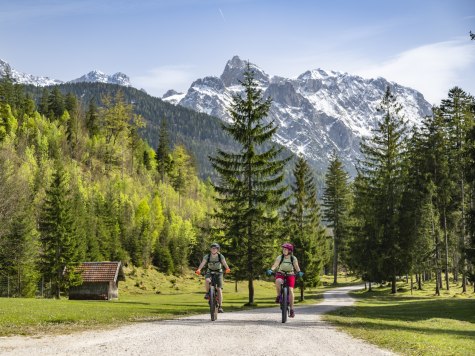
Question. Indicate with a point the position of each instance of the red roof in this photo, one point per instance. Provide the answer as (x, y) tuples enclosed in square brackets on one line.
[(100, 271)]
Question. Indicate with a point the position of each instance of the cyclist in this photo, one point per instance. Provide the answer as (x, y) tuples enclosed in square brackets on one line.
[(215, 261), (287, 263)]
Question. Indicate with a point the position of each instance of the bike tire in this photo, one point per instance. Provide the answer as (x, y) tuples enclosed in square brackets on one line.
[(212, 303), (284, 303)]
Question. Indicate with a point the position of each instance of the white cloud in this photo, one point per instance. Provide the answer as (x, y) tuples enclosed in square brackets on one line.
[(431, 69), (158, 80)]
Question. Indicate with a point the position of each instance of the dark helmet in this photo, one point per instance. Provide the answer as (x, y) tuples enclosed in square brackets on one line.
[(215, 244), (288, 246)]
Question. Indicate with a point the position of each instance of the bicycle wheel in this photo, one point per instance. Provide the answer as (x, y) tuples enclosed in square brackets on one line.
[(284, 303), (213, 307)]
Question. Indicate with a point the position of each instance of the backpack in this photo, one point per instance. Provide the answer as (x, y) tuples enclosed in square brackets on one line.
[(219, 258), (281, 260)]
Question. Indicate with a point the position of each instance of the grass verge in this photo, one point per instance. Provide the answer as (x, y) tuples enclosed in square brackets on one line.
[(417, 324)]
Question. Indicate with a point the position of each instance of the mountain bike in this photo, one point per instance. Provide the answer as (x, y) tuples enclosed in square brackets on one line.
[(214, 295), (284, 298)]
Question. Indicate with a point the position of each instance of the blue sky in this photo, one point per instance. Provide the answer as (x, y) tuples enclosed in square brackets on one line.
[(160, 45)]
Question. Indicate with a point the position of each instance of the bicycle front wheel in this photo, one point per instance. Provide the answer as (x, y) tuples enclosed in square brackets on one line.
[(213, 306), (284, 303)]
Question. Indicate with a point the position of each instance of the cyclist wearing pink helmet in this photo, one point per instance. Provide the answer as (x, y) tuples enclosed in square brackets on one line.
[(286, 263)]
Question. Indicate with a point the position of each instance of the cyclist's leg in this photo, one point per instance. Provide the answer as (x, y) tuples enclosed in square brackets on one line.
[(291, 282), (278, 285), (220, 286), (291, 292), (207, 284)]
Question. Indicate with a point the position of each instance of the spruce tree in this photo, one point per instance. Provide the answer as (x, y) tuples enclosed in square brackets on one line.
[(459, 119), (56, 233), (335, 207), (56, 105), (92, 119), (383, 167), (163, 151), (249, 189), (303, 223)]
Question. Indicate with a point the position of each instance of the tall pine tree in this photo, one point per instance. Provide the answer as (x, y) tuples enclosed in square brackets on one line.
[(163, 151), (335, 205), (56, 233), (250, 189), (383, 168), (303, 223)]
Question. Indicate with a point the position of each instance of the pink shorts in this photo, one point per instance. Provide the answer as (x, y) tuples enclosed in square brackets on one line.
[(290, 279)]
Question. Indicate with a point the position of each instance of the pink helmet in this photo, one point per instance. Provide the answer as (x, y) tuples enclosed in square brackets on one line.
[(288, 246)]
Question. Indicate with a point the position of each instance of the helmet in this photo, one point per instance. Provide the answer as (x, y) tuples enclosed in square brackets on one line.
[(214, 244), (288, 246)]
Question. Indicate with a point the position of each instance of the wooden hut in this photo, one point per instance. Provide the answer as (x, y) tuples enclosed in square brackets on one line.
[(100, 280)]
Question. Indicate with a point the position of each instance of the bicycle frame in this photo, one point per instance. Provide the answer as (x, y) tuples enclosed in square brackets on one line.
[(213, 296), (285, 297)]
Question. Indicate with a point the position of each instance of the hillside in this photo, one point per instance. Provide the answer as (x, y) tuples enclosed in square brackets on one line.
[(200, 133)]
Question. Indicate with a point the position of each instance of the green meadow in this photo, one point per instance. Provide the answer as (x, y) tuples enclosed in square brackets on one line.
[(412, 324)]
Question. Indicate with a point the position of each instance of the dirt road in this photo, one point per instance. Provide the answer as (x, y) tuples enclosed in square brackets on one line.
[(253, 332)]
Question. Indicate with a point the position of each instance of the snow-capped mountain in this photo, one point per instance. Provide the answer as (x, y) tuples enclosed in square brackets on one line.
[(96, 76), (93, 76), (317, 112), (23, 78)]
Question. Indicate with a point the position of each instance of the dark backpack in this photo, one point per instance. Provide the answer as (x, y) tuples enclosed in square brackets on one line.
[(282, 260), (219, 258)]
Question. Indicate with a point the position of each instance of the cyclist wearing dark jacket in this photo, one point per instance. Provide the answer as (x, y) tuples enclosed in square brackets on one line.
[(215, 262), (287, 263)]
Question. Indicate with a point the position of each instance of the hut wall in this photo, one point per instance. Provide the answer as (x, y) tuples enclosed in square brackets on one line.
[(89, 290)]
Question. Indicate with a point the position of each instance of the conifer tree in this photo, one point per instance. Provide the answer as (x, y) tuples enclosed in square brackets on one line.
[(56, 233), (303, 223), (335, 207), (55, 104), (43, 104), (163, 151), (383, 168), (92, 119), (459, 119), (249, 189)]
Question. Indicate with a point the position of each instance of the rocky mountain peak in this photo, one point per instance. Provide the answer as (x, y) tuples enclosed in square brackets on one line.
[(318, 112), (235, 68)]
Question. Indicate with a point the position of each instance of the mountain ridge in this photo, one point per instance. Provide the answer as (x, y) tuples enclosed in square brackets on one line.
[(317, 112), (94, 76)]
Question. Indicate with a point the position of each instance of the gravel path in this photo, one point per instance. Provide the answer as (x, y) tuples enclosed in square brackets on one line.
[(251, 332)]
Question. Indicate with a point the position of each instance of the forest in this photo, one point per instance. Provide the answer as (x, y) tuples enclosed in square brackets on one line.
[(91, 178)]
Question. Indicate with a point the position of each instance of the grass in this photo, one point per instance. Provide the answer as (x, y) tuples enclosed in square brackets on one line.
[(145, 295), (417, 324)]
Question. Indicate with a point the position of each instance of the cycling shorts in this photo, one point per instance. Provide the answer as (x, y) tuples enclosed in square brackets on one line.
[(219, 279), (290, 279)]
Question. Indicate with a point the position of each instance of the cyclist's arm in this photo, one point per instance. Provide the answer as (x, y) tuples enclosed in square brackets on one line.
[(202, 264), (276, 263), (224, 263), (296, 266)]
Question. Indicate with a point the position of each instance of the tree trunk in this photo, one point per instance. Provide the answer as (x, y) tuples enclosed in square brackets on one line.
[(462, 239), (393, 285), (335, 260), (437, 258), (419, 282), (251, 291), (446, 238), (369, 287), (302, 288)]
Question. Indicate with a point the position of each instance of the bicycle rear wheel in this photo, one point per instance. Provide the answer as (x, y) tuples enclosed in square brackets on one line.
[(284, 303), (213, 306)]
